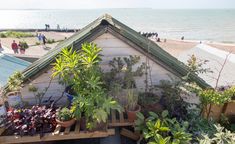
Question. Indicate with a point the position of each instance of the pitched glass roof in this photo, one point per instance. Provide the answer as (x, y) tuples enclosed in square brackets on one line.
[(8, 65)]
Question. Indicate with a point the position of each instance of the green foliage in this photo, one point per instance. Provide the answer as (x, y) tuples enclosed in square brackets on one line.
[(3, 35), (171, 98), (81, 70), (51, 41), (37, 43), (221, 136), (64, 114), (212, 96), (132, 100), (15, 34), (196, 66), (159, 128), (23, 45), (15, 81), (123, 73)]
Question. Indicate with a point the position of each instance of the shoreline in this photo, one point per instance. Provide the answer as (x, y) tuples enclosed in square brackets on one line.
[(173, 46)]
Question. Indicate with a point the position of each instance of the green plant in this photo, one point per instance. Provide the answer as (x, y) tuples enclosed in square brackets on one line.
[(123, 73), (132, 100), (15, 81), (15, 34), (50, 41), (23, 45), (221, 136), (81, 70), (213, 96), (3, 35), (37, 43), (64, 114), (171, 98), (164, 126)]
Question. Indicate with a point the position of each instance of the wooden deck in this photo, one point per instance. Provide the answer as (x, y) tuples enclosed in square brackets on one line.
[(73, 132)]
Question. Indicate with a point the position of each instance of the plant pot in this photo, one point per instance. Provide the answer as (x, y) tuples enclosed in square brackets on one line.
[(66, 123), (14, 99), (132, 114), (22, 51)]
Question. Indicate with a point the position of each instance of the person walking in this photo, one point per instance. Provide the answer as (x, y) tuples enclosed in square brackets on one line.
[(44, 39), (39, 37), (14, 47)]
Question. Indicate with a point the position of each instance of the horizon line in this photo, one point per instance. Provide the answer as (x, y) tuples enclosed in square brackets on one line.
[(118, 8)]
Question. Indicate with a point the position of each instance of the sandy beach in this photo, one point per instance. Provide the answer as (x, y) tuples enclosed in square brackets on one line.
[(172, 46), (176, 47)]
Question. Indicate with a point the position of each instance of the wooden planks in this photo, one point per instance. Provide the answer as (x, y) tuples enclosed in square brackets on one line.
[(129, 134), (73, 132), (51, 137), (120, 121)]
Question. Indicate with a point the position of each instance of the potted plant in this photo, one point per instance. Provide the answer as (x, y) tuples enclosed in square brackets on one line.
[(81, 70), (14, 85), (64, 117), (30, 121), (132, 106)]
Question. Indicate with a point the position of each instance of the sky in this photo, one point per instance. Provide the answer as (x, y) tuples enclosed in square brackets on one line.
[(94, 4)]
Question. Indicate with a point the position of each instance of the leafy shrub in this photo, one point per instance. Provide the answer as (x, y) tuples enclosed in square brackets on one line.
[(161, 128), (81, 70), (30, 121), (212, 96), (3, 35), (221, 136), (50, 41), (37, 43), (64, 114), (23, 45), (15, 81), (15, 34)]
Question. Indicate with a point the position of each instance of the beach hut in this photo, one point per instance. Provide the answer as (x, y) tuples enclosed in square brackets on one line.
[(116, 40)]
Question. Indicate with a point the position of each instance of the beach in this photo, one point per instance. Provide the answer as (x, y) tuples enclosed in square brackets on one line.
[(173, 46)]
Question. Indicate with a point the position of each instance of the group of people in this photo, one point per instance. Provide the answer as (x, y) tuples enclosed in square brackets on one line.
[(153, 35), (16, 47), (149, 34), (41, 38)]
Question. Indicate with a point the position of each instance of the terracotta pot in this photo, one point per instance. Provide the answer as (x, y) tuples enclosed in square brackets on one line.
[(66, 123), (132, 114)]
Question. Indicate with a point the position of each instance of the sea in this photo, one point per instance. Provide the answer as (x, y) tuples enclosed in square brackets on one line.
[(198, 24)]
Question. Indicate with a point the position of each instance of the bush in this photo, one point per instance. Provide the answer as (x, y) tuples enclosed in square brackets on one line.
[(37, 43), (221, 136), (162, 129), (15, 34), (50, 41), (2, 35), (24, 44)]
